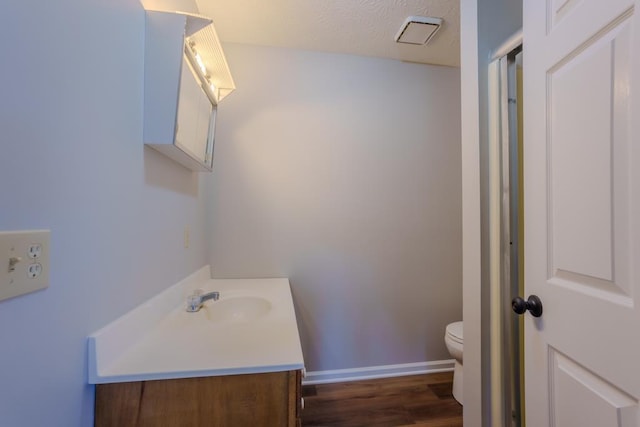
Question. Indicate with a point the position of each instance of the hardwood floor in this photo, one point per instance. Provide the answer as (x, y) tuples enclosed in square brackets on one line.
[(419, 400)]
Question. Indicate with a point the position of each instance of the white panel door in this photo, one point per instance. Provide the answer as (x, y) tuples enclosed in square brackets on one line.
[(582, 212)]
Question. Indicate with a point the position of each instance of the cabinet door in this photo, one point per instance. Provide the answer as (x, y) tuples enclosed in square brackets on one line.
[(255, 400), (194, 115), (203, 128)]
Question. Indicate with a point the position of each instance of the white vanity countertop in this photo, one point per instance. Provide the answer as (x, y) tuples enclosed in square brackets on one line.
[(146, 345)]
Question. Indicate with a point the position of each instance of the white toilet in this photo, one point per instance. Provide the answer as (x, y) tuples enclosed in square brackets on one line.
[(453, 340)]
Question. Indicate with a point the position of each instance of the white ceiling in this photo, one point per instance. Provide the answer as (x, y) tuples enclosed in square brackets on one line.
[(358, 27)]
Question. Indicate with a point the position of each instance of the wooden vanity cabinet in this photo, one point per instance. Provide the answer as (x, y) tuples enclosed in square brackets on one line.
[(268, 399)]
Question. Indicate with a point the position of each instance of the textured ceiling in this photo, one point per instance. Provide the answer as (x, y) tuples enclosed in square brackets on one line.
[(358, 27)]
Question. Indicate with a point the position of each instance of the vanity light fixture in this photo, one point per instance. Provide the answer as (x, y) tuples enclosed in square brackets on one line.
[(418, 30), (198, 63), (197, 58), (216, 77)]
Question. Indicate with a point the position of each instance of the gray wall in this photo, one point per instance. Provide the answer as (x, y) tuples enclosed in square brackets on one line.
[(343, 174), (72, 160)]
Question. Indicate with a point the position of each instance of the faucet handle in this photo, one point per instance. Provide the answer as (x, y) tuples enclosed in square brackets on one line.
[(194, 301)]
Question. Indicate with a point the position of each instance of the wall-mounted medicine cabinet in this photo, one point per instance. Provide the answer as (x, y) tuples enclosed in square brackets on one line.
[(186, 75)]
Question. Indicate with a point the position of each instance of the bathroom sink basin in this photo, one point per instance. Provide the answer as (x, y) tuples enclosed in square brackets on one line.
[(237, 309)]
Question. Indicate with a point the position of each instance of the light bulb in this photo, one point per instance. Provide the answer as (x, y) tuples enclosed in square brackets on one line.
[(200, 64)]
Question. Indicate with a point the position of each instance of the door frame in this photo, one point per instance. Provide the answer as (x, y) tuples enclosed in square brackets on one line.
[(505, 329), (484, 25)]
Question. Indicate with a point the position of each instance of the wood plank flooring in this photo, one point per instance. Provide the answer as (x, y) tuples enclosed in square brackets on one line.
[(419, 400)]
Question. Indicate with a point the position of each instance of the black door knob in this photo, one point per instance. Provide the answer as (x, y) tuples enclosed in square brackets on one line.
[(533, 304)]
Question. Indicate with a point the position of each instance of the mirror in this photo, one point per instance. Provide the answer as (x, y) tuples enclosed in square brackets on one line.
[(195, 122)]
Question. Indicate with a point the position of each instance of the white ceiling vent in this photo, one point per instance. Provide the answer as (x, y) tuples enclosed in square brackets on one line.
[(418, 29)]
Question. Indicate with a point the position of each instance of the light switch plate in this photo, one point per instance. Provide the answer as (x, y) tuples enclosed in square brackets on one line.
[(24, 262)]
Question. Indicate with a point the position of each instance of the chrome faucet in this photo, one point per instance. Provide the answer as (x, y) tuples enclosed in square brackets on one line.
[(197, 299)]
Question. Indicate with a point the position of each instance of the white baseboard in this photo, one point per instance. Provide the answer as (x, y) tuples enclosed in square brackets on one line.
[(372, 372)]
